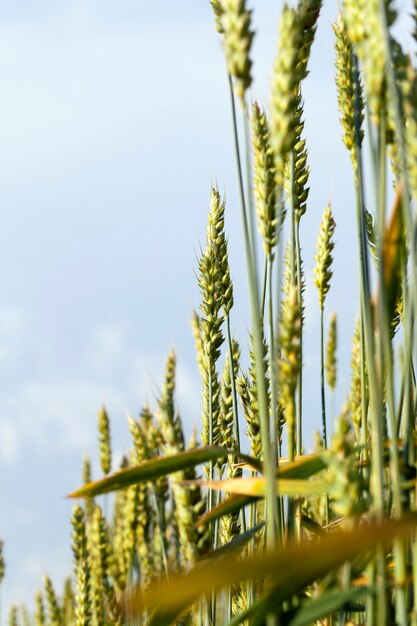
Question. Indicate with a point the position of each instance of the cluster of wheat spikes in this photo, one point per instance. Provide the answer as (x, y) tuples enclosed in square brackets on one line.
[(272, 535)]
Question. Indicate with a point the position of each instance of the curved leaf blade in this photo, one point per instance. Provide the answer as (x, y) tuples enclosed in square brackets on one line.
[(150, 470)]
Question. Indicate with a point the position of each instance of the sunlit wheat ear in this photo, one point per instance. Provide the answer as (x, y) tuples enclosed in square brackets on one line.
[(299, 189), (309, 12), (264, 186), (331, 347), (233, 21), (217, 8), (96, 566), (40, 614), (170, 425), (81, 568), (198, 342), (13, 616), (101, 556), (324, 259), (216, 240), (365, 30), (410, 111), (227, 438), (54, 610), (247, 387), (104, 440), (356, 390), (68, 602), (343, 475), (347, 80), (284, 88), (87, 477), (289, 362)]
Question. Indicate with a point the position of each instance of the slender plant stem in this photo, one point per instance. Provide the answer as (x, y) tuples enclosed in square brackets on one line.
[(322, 386), (269, 462), (299, 427)]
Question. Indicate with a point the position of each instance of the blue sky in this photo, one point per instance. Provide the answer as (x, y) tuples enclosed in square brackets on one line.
[(115, 121)]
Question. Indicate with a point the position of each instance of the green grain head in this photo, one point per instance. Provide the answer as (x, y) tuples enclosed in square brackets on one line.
[(104, 440), (349, 92), (233, 21), (286, 78), (324, 259), (331, 347)]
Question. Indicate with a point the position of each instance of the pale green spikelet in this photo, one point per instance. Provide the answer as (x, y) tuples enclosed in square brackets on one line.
[(104, 440), (410, 113), (81, 568), (284, 88), (39, 615), (290, 361), (87, 478), (309, 12), (247, 388), (264, 189), (349, 92), (331, 347), (365, 30), (301, 174), (218, 11), (227, 435), (68, 602), (169, 422), (13, 616), (216, 239), (324, 259), (185, 511), (2, 561), (214, 282), (233, 20), (343, 475), (54, 610), (101, 560), (195, 326), (356, 391)]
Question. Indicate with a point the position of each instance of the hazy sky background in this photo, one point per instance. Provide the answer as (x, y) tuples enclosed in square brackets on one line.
[(114, 122)]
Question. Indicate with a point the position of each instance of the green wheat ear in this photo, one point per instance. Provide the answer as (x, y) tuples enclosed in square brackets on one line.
[(286, 78), (233, 21), (290, 362), (343, 475), (54, 610), (13, 617), (104, 440), (347, 82), (331, 347), (40, 615), (355, 395), (365, 30), (82, 568), (324, 259), (264, 190)]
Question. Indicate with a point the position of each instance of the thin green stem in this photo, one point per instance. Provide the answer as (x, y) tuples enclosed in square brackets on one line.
[(257, 332), (322, 385), (299, 427)]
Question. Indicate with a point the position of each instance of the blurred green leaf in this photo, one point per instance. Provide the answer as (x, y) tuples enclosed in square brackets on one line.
[(320, 607), (229, 505), (257, 486), (149, 470), (288, 570)]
